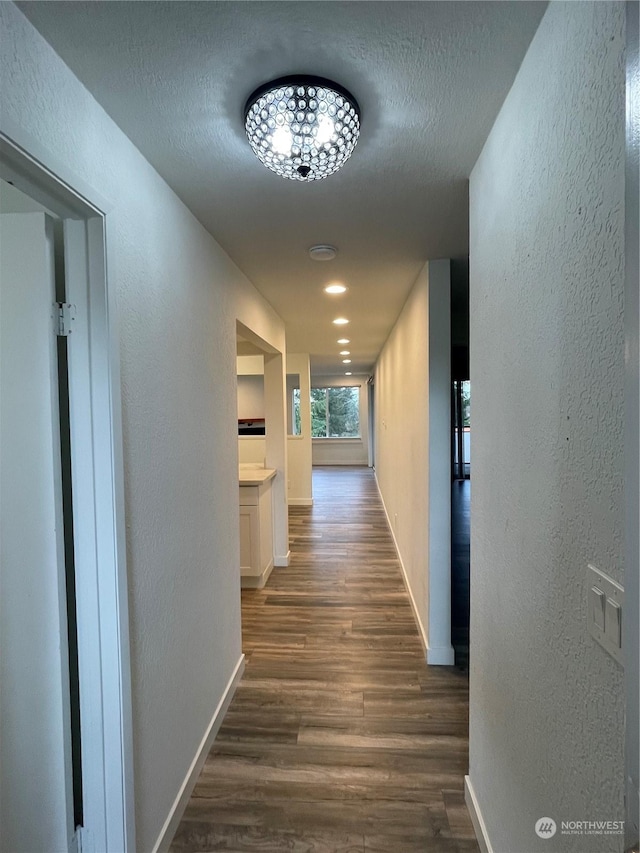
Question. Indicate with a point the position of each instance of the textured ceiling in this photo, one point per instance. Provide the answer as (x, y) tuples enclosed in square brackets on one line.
[(430, 78)]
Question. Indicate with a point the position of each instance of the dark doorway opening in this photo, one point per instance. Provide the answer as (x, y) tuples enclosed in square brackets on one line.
[(460, 463)]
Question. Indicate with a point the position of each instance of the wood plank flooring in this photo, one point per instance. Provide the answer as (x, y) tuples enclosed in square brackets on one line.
[(339, 738)]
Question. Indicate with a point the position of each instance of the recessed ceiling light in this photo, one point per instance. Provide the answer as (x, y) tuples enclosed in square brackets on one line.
[(335, 288), (344, 341), (345, 352), (340, 321), (322, 253), (302, 128), (348, 373), (346, 361)]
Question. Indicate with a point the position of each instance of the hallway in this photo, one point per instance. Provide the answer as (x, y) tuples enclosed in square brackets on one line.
[(339, 737)]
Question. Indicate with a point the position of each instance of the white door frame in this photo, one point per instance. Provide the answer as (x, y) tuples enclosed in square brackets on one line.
[(632, 431), (98, 492)]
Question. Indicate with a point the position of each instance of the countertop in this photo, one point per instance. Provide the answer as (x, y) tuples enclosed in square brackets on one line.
[(254, 475)]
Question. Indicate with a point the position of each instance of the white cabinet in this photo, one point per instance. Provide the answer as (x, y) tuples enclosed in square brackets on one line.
[(256, 526)]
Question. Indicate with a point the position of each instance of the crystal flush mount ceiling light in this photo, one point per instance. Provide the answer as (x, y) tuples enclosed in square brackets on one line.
[(302, 128)]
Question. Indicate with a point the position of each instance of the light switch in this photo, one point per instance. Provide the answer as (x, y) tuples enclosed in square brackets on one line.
[(613, 622), (605, 601), (597, 602)]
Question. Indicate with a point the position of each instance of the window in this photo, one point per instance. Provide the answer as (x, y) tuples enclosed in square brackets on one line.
[(335, 412), (297, 421), (294, 426)]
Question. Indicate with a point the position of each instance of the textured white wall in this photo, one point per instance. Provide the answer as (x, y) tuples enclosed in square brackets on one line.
[(178, 297), (546, 292)]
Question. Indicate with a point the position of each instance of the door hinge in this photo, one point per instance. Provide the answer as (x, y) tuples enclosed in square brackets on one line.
[(64, 318)]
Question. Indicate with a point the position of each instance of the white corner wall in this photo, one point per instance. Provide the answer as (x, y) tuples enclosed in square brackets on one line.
[(547, 367), (300, 490), (275, 383), (412, 432), (344, 451), (440, 650), (178, 297)]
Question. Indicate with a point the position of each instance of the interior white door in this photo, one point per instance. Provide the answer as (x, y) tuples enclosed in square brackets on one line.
[(35, 757)]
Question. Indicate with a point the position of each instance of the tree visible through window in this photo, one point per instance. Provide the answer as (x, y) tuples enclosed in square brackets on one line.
[(297, 418), (335, 412), (466, 403)]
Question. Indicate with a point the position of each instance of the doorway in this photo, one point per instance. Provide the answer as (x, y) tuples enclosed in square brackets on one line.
[(461, 522), (461, 418), (460, 464), (262, 457), (65, 772)]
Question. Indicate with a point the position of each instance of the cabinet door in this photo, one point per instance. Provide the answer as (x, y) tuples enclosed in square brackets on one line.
[(249, 540)]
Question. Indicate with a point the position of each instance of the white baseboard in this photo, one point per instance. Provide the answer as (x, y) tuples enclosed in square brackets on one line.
[(180, 803), (438, 655), (416, 615), (476, 817), (282, 559), (256, 581), (300, 501), (441, 656), (340, 464)]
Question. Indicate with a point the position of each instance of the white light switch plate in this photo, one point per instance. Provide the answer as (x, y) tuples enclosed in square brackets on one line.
[(610, 635)]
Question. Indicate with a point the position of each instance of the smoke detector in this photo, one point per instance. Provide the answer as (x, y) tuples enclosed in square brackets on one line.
[(322, 253)]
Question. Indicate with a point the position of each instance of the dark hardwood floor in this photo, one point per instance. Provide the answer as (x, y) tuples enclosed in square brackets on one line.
[(460, 563), (339, 739)]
